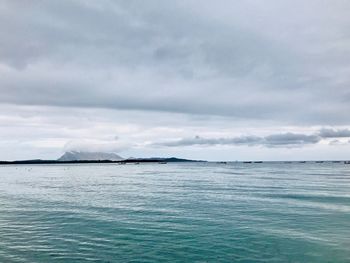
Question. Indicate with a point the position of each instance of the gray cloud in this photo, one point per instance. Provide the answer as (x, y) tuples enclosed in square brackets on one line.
[(244, 140), (283, 64), (84, 71), (290, 140), (332, 133), (274, 140)]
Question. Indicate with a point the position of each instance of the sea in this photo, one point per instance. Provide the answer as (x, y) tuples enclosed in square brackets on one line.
[(175, 212)]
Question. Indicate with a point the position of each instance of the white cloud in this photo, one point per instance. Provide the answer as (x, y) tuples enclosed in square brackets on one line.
[(95, 146)]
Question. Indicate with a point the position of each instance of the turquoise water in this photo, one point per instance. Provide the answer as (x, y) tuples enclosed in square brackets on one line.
[(270, 212)]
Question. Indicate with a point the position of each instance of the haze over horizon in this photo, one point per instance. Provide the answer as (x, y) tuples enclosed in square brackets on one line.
[(250, 80)]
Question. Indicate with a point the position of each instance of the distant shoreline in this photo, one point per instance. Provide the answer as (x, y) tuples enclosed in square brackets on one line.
[(160, 161), (135, 161)]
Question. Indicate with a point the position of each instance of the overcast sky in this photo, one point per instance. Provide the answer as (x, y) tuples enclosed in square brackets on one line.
[(216, 80)]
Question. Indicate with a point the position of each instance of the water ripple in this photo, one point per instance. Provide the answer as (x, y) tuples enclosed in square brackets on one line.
[(270, 212)]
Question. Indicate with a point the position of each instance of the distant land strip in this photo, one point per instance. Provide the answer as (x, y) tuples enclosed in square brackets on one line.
[(141, 160)]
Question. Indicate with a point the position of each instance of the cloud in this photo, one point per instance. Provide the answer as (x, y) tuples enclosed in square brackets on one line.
[(335, 142), (245, 140), (274, 140), (148, 71), (290, 139), (106, 146), (333, 133), (176, 57)]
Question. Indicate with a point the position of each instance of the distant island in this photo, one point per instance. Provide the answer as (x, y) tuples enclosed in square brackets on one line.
[(72, 157)]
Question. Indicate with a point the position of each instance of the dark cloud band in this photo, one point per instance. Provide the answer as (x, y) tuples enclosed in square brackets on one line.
[(274, 140)]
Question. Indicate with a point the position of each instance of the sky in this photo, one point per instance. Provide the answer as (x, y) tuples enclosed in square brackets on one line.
[(198, 79)]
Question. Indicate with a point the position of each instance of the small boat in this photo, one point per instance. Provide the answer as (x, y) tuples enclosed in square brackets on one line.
[(222, 162), (247, 162), (162, 162)]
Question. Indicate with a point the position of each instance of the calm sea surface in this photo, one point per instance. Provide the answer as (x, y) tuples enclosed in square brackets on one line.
[(270, 212)]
